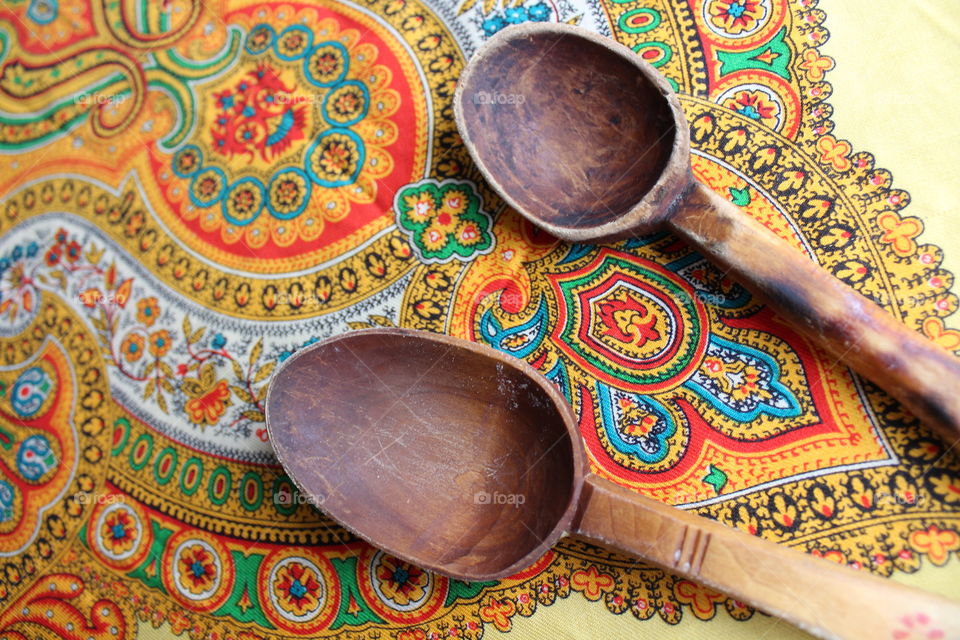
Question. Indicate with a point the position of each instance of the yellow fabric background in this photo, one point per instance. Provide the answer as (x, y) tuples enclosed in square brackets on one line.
[(895, 94)]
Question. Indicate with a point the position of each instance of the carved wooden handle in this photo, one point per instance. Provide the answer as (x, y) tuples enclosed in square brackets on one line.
[(915, 371), (822, 598)]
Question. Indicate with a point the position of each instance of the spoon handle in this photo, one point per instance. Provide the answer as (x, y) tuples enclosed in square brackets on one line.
[(823, 598), (912, 369)]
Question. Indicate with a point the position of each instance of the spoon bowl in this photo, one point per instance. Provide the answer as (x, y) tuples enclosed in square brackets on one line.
[(423, 463), (568, 128)]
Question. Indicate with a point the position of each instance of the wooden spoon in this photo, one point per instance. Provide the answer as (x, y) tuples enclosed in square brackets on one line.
[(465, 461), (587, 141)]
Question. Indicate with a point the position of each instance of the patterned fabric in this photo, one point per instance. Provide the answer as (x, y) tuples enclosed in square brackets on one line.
[(193, 191)]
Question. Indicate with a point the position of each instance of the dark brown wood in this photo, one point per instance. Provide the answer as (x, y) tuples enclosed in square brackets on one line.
[(424, 445), (572, 132), (466, 461), (586, 140)]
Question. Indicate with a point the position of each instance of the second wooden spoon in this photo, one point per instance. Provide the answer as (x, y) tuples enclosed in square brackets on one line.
[(586, 140)]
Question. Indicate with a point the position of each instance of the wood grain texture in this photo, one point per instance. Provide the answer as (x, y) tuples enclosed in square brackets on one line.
[(466, 461), (915, 371), (821, 597), (542, 111), (424, 444)]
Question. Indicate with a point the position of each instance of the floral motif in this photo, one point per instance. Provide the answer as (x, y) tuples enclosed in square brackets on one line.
[(22, 273), (198, 569), (132, 347), (159, 343), (209, 397), (125, 332), (593, 583), (918, 627), (118, 531), (632, 323), (816, 65), (147, 311), (736, 379), (743, 382), (499, 613), (900, 232), (297, 588), (937, 543), (703, 600), (516, 14), (257, 116), (400, 581), (629, 319), (444, 220), (736, 17), (311, 109), (637, 427), (756, 104), (836, 153)]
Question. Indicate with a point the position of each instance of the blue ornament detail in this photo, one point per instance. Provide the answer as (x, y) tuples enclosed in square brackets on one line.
[(493, 24), (30, 391), (748, 386), (361, 149), (519, 341), (260, 40), (213, 198), (35, 458), (635, 425), (305, 198), (188, 149), (362, 88), (306, 48), (575, 252), (43, 11), (8, 495), (344, 56), (256, 31), (254, 184), (538, 12)]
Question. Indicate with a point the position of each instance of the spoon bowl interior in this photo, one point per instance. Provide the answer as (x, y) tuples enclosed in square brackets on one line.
[(574, 131), (451, 456)]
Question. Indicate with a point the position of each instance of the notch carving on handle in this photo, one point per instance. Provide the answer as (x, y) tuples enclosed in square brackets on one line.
[(688, 557)]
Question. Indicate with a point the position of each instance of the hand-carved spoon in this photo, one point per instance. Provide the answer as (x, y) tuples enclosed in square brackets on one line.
[(586, 140), (464, 460)]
